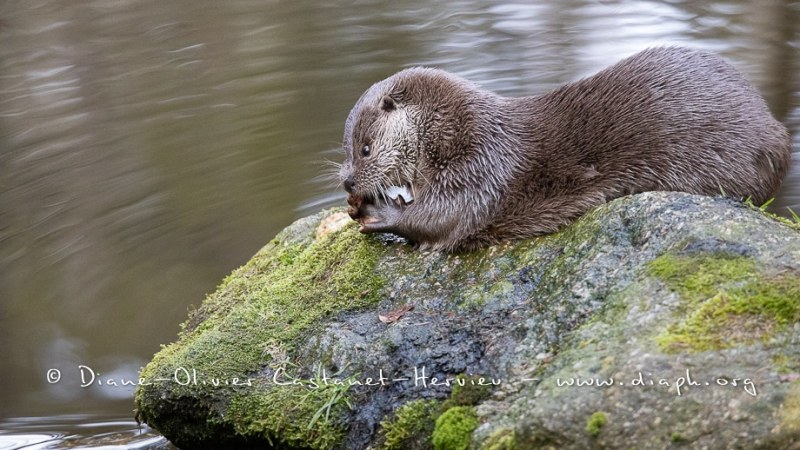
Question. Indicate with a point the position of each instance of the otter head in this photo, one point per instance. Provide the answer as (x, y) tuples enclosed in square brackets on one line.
[(394, 135), (381, 146)]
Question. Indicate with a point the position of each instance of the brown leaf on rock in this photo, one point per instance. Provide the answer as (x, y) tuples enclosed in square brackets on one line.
[(395, 315)]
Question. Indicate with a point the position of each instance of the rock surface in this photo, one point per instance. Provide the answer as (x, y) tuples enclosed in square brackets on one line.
[(656, 321)]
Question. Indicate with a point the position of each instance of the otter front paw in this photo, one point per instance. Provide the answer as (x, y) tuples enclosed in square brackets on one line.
[(379, 218)]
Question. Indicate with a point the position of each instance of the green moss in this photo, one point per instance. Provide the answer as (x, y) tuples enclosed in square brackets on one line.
[(725, 301), (468, 390), (676, 437), (790, 409), (302, 417), (699, 277), (596, 423), (454, 428), (265, 308), (786, 363), (412, 426), (793, 223), (502, 439), (413, 423)]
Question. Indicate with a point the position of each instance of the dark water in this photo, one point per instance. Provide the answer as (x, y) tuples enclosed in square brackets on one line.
[(149, 147), (78, 431)]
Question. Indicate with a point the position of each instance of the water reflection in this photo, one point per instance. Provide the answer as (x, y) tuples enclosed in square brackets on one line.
[(147, 148), (78, 431)]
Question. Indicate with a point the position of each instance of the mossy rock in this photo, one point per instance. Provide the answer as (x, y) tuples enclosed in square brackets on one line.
[(454, 428), (644, 297), (411, 427), (596, 423), (254, 318)]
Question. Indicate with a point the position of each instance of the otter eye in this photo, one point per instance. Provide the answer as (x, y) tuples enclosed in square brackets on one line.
[(365, 150)]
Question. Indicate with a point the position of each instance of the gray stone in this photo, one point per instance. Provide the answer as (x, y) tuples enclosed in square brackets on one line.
[(658, 289)]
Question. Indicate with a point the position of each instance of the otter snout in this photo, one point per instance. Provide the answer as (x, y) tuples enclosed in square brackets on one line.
[(349, 184)]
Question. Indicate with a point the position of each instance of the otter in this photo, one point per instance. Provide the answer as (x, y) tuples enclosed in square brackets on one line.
[(434, 158)]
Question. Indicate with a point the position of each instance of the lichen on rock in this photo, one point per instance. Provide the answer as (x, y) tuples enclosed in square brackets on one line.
[(676, 316)]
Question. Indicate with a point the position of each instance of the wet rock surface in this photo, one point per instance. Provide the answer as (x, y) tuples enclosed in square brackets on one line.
[(657, 320)]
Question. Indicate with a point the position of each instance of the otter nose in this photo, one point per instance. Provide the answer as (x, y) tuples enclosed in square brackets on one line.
[(349, 184)]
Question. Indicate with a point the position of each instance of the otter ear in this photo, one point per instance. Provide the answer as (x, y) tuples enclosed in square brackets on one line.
[(388, 104)]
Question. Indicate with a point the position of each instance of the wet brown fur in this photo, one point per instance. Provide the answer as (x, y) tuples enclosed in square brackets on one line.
[(486, 168)]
